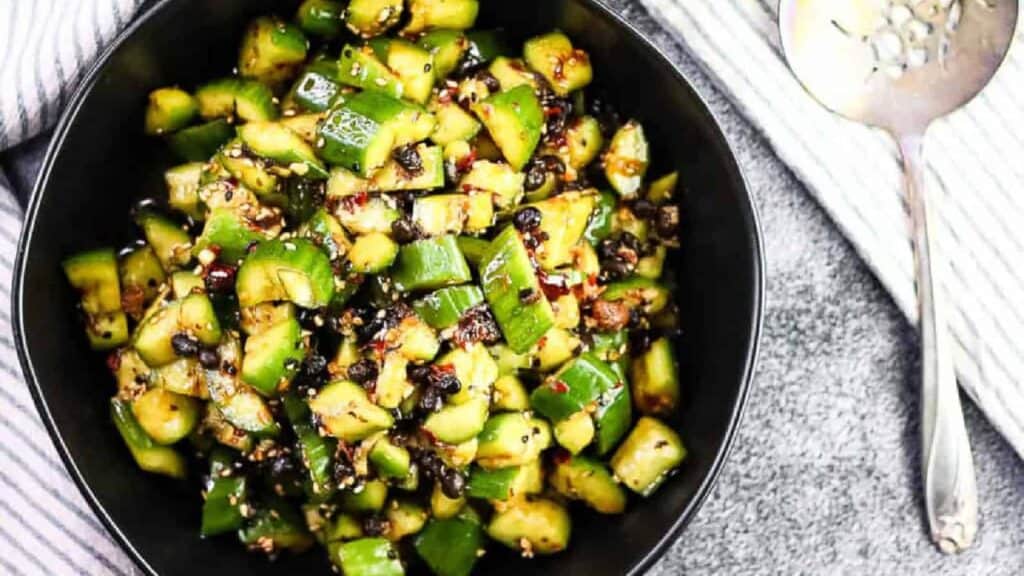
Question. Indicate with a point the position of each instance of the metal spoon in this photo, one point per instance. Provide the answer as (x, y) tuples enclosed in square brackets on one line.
[(898, 65)]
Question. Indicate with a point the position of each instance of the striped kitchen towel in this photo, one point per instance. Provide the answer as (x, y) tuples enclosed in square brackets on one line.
[(975, 169), (46, 528)]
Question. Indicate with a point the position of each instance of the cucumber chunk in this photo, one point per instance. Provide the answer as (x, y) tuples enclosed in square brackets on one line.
[(414, 67), (447, 48), (276, 526), (450, 547), (193, 315), (170, 242), (430, 264), (640, 293), (369, 18), (453, 213), (389, 459), (443, 308), (94, 275), (565, 68), (225, 496), (513, 119), (372, 253), (582, 478), (149, 455), (512, 439), (238, 403), (564, 219), (345, 412), (534, 526), (509, 394), (274, 141), (575, 432), (166, 417), (506, 274), (358, 135), (183, 189), (367, 557), (432, 14), (453, 123), (169, 109), (457, 423), (229, 234), (198, 143), (317, 87), (273, 356), (512, 72), (247, 100), (573, 388), (654, 376), (626, 160), (360, 66), (473, 248), (322, 18), (370, 499), (664, 188), (295, 270), (650, 452), (392, 177), (599, 226), (271, 50)]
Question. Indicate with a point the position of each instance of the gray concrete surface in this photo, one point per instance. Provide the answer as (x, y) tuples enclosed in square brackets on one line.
[(824, 475)]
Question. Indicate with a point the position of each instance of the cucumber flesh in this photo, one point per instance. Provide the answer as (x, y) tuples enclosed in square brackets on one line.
[(169, 109)]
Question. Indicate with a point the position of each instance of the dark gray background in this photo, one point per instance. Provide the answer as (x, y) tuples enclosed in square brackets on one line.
[(824, 475)]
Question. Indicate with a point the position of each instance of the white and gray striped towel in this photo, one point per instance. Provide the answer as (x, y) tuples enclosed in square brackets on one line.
[(46, 527), (975, 165)]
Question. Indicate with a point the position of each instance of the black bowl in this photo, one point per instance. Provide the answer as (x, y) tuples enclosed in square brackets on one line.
[(100, 163)]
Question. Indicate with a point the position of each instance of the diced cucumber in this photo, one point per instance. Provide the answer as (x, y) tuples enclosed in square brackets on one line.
[(514, 119), (166, 417), (304, 125), (433, 14), (261, 317), (322, 18), (415, 340), (169, 109), (584, 140), (276, 526), (198, 143), (361, 67), (450, 546), (443, 507), (375, 214), (359, 134), (651, 266), (509, 394), (392, 386), (185, 282), (453, 213), (295, 270), (534, 526), (107, 331), (575, 432), (317, 87), (663, 189), (485, 46), (443, 308), (457, 423), (193, 315), (343, 182), (567, 311), (447, 48), (149, 455), (512, 439), (274, 141), (640, 293), (317, 451), (236, 401), (625, 162), (575, 386), (453, 123), (271, 50), (624, 220), (599, 226), (555, 348), (405, 518), (474, 368), (368, 557), (473, 248), (370, 499), (393, 177), (226, 231), (389, 459), (183, 189), (369, 18), (506, 273), (613, 415), (429, 264), (565, 68), (273, 356), (503, 183), (564, 218), (491, 484), (225, 496), (582, 478), (341, 528), (248, 100), (345, 412), (372, 253), (512, 72), (648, 454), (325, 230), (183, 376), (414, 67), (94, 275), (654, 376), (170, 242), (224, 432)]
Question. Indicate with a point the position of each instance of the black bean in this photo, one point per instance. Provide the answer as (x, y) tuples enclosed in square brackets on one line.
[(535, 178), (527, 219), (343, 471), (615, 269), (409, 159), (184, 345), (477, 325), (630, 241), (363, 372), (453, 483), (314, 366), (375, 525), (281, 465), (209, 358), (644, 208), (220, 278), (404, 230), (446, 382), (419, 374), (430, 400), (667, 220)]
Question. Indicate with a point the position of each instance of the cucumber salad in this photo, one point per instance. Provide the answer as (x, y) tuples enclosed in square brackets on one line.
[(404, 295)]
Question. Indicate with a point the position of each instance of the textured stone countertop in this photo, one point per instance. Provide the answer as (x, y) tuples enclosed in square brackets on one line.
[(823, 478)]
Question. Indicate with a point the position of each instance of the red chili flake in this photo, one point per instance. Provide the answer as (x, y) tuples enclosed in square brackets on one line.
[(561, 456), (552, 111), (542, 342), (466, 162), (114, 361), (449, 368), (362, 197), (553, 287), (559, 387), (428, 435)]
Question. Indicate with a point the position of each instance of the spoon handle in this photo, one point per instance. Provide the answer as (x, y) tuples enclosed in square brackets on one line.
[(951, 498)]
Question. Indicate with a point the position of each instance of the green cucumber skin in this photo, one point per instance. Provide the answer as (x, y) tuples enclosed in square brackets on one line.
[(322, 18), (505, 273), (149, 455), (94, 275), (473, 248), (317, 87), (225, 230), (259, 279), (316, 450), (582, 381), (169, 109), (368, 557), (599, 226), (514, 119), (348, 132), (429, 264), (491, 484), (229, 97), (447, 47), (443, 308), (450, 547), (273, 356), (221, 510), (613, 416), (367, 71), (198, 143)]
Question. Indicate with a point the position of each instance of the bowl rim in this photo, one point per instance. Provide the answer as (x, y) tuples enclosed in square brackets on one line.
[(67, 119)]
